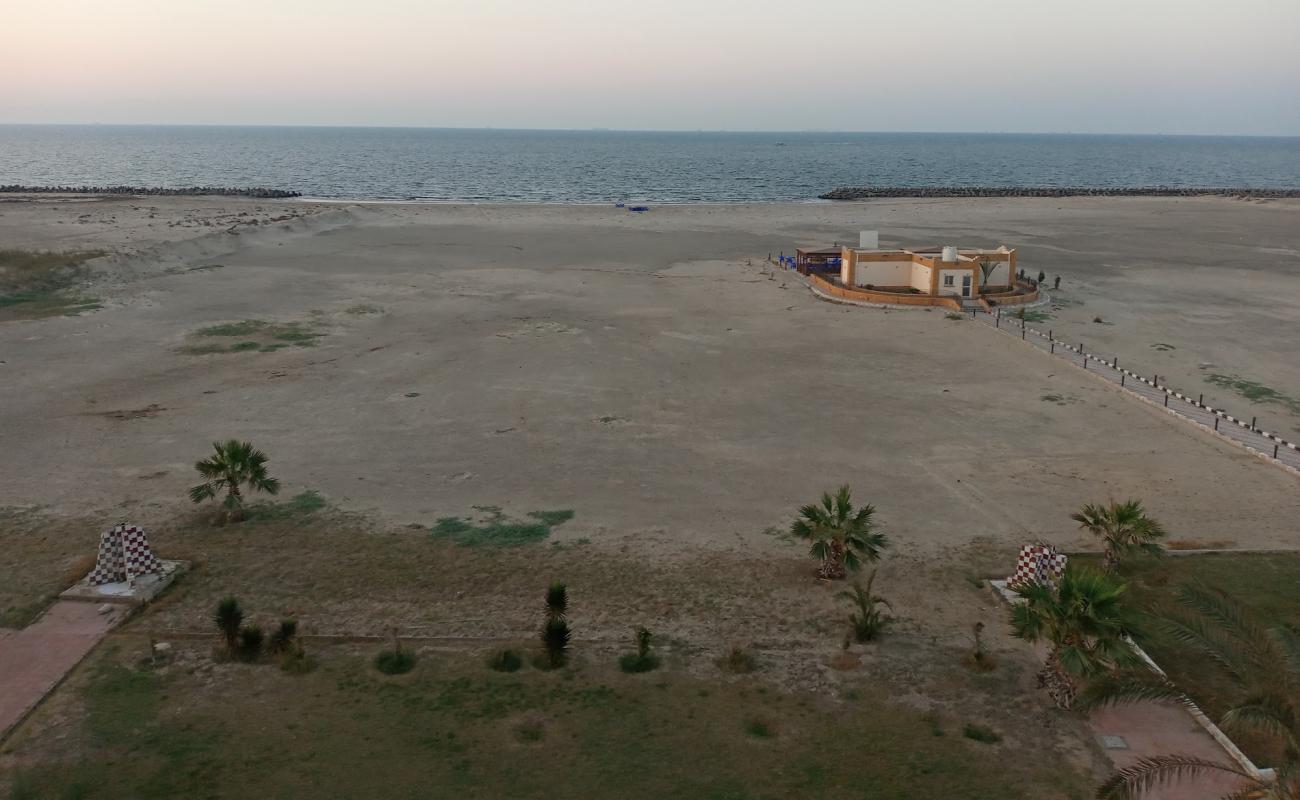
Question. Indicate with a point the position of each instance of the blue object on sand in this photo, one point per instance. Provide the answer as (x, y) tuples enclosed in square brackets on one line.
[(620, 205), (638, 208)]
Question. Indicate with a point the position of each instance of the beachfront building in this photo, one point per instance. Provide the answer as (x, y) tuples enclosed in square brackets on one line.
[(932, 271)]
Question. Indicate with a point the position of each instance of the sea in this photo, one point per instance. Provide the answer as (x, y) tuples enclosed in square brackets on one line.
[(597, 166)]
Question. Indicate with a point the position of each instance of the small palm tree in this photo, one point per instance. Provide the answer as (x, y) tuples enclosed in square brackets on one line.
[(987, 265), (1262, 660), (235, 464), (1085, 624), (1123, 528), (555, 630), (842, 537), (557, 601), (229, 619), (869, 621)]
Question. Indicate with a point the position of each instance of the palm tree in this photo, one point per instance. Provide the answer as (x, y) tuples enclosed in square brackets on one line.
[(1263, 660), (229, 619), (987, 265), (869, 621), (1123, 527), (1085, 624), (235, 464), (842, 537)]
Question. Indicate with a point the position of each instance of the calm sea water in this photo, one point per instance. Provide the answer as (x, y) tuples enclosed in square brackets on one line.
[(600, 166)]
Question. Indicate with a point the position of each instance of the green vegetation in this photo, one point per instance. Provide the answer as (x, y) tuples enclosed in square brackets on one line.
[(456, 729), (396, 661), (868, 620), (1261, 659), (642, 660), (257, 335), (229, 619), (1163, 347), (979, 659), (843, 538), (738, 661), (759, 729), (1254, 392), (496, 530), (1031, 315), (37, 284), (1123, 528), (953, 315), (1083, 622), (1059, 399), (981, 733), (505, 660), (1261, 586), (300, 506), (555, 630), (362, 309), (235, 464)]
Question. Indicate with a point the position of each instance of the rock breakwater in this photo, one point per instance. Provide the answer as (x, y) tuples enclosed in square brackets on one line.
[(178, 191)]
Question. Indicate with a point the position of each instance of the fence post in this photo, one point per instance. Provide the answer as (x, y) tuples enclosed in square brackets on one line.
[(1216, 422), (1049, 333), (1166, 399), (1274, 451), (1116, 364), (1200, 401), (1053, 346), (1252, 423), (1155, 381), (1122, 376), (1022, 333)]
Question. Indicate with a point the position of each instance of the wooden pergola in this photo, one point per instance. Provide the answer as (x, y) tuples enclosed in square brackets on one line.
[(819, 259)]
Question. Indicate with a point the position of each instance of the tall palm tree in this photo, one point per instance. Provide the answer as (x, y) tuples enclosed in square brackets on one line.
[(1123, 528), (1262, 660), (842, 537), (235, 464), (1083, 621)]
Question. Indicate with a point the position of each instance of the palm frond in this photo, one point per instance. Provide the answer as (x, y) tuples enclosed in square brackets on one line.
[(1128, 686), (1132, 781), (1274, 716)]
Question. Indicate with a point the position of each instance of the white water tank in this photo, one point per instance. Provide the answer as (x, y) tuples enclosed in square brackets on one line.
[(950, 255), (868, 240)]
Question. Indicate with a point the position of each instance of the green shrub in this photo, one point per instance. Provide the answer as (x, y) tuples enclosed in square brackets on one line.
[(981, 733), (759, 729), (251, 639), (869, 621), (284, 637), (397, 661), (738, 661), (505, 660), (642, 660)]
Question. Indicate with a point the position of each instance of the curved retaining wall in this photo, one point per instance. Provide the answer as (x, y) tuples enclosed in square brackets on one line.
[(884, 298)]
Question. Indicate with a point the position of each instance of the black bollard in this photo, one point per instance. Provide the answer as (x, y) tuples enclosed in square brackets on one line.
[(1200, 401), (1166, 399), (1216, 422), (1274, 451), (1053, 346), (1252, 423)]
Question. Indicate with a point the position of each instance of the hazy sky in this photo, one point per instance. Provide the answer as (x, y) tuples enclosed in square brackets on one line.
[(1143, 66)]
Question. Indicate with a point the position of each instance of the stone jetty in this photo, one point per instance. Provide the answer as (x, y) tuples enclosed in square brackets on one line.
[(177, 191), (868, 192)]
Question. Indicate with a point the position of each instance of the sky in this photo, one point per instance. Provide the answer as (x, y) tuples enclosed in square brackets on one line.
[(1082, 66)]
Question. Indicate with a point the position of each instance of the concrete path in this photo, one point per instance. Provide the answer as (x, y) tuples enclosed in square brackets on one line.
[(1164, 729), (1265, 444), (35, 659)]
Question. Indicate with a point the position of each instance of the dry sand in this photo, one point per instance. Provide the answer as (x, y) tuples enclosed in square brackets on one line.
[(649, 371)]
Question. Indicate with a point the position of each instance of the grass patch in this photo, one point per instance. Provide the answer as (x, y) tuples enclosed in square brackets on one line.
[(1264, 583), (981, 733), (303, 504), (495, 529), (760, 729), (1059, 399), (635, 662), (1031, 315), (953, 315), (1254, 392), (362, 309), (455, 729), (37, 284), (257, 336), (738, 661)]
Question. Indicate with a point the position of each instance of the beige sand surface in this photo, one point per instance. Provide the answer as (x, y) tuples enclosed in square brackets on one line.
[(649, 371)]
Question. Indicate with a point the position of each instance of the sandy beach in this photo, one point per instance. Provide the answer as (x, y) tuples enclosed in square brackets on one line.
[(651, 369)]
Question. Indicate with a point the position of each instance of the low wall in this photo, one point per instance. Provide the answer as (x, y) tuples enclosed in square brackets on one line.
[(889, 298), (1009, 299)]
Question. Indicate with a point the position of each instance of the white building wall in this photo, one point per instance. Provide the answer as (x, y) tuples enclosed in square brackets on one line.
[(921, 278), (956, 275), (884, 273)]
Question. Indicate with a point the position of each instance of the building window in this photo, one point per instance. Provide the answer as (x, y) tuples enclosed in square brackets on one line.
[(947, 280)]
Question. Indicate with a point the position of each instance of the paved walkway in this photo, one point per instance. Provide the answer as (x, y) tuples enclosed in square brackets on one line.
[(1268, 445), (35, 659)]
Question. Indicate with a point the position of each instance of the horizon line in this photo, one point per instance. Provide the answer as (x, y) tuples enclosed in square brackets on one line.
[(638, 130)]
